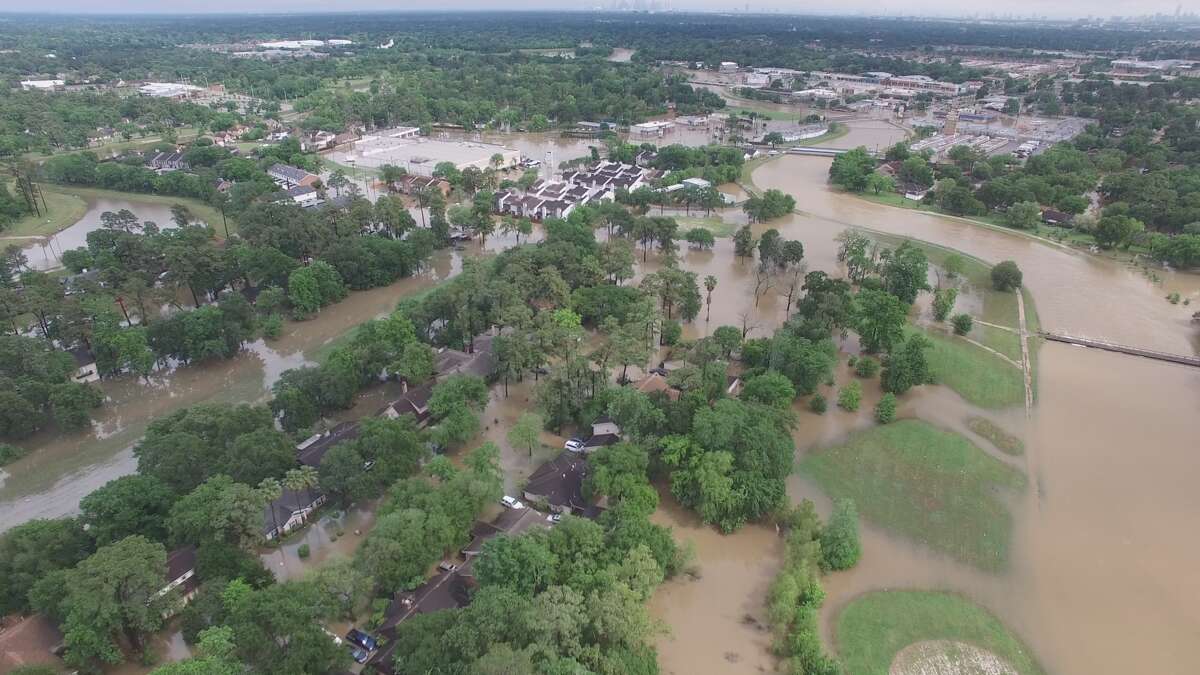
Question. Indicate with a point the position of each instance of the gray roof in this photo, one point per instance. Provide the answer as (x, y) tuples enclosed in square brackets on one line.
[(288, 172)]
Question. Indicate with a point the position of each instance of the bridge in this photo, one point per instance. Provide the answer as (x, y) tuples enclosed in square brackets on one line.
[(1193, 361)]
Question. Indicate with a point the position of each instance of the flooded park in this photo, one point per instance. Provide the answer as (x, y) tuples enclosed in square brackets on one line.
[(1101, 571)]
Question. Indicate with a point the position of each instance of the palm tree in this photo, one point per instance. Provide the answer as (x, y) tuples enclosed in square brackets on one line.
[(271, 490), (710, 284), (424, 198)]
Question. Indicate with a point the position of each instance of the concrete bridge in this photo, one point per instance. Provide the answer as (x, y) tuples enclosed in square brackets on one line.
[(1193, 361), (820, 151)]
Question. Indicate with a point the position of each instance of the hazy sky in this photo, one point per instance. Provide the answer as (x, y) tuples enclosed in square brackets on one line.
[(1054, 8)]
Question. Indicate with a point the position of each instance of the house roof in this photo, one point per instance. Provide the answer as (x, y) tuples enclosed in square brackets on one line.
[(312, 450), (300, 191), (82, 355), (288, 172), (289, 502), (560, 481), (601, 440), (180, 562), (654, 383)]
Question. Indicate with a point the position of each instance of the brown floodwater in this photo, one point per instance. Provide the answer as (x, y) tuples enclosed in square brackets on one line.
[(1101, 577), (46, 253)]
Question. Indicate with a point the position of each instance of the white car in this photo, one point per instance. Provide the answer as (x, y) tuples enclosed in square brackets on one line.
[(574, 445), (554, 518), (511, 502)]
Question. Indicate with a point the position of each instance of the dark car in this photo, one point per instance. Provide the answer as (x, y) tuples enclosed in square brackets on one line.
[(361, 639), (360, 655)]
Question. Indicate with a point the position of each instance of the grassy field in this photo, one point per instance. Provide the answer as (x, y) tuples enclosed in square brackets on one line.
[(981, 378), (1004, 441), (874, 627), (63, 211), (713, 224), (931, 485)]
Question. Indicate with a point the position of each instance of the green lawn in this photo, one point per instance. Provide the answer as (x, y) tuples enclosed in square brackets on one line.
[(874, 627), (714, 224), (981, 378), (1004, 441), (63, 210), (931, 485)]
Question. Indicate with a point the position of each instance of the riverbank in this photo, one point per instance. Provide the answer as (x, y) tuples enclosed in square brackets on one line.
[(874, 629), (925, 483), (62, 210)]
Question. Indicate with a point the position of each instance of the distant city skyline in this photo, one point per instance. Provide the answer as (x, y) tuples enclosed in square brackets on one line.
[(1058, 9)]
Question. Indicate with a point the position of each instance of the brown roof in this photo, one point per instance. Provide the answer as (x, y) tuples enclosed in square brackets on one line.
[(655, 382), (560, 481)]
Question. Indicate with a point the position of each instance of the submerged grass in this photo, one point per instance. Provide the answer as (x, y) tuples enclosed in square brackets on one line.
[(997, 436), (873, 628), (931, 485), (983, 379)]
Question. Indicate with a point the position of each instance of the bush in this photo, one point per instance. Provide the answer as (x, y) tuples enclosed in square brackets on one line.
[(272, 326), (303, 551), (672, 331), (840, 548), (11, 453), (852, 360), (962, 324), (866, 367), (943, 303), (1006, 276), (885, 410), (850, 396), (818, 404)]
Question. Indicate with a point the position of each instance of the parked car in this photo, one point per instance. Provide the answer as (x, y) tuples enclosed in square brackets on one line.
[(574, 444), (360, 655), (511, 502), (361, 639), (659, 371), (447, 566), (554, 517)]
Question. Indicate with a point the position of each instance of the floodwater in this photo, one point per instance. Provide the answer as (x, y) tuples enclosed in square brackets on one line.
[(621, 55), (66, 467), (333, 534), (46, 253), (1102, 573)]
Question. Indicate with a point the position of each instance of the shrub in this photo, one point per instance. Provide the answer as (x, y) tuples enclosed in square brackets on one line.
[(850, 396), (852, 360), (866, 367), (962, 324), (943, 303), (885, 410), (272, 326), (303, 551), (672, 331), (840, 548), (11, 453), (1006, 276), (818, 404)]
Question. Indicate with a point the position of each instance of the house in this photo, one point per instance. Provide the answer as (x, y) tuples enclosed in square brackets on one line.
[(654, 382), (646, 158), (312, 450), (317, 140), (446, 590), (290, 510), (1052, 217), (181, 575), (411, 184), (728, 66), (605, 432), (162, 162), (415, 402), (510, 522), (85, 364), (559, 483), (698, 183), (304, 195), (290, 176)]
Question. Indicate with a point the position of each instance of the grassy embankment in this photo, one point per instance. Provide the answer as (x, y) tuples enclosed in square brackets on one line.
[(997, 436), (68, 203), (62, 211), (715, 224), (930, 485), (873, 628)]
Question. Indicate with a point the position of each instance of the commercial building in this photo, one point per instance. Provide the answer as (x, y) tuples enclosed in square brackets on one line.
[(43, 85), (405, 148), (169, 90), (652, 128)]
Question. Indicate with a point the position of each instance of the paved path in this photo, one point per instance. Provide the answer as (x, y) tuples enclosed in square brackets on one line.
[(1028, 370)]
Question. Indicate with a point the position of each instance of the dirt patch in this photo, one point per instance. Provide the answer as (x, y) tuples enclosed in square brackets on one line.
[(947, 657)]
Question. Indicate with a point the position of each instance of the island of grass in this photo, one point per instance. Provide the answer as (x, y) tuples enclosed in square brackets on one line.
[(713, 223), (928, 484), (982, 378), (1004, 441), (875, 627)]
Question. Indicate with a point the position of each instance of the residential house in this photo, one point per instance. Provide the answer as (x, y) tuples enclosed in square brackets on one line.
[(415, 402), (446, 590), (162, 162), (85, 364), (559, 484), (289, 176), (653, 383), (317, 141), (290, 510), (605, 432), (1060, 218), (181, 576), (312, 450), (304, 195), (411, 184)]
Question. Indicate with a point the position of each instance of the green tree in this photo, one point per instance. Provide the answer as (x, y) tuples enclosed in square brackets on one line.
[(1023, 215), (850, 395), (1006, 276), (904, 272), (840, 548), (962, 324), (112, 593), (879, 319), (771, 389), (33, 550), (219, 510), (526, 432), (907, 365), (125, 506), (212, 655), (885, 410), (850, 170), (866, 367), (943, 303)]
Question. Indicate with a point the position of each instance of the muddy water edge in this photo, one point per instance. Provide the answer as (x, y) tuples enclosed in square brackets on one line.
[(1098, 536)]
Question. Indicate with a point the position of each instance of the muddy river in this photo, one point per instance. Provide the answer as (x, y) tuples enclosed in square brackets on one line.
[(1102, 573)]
